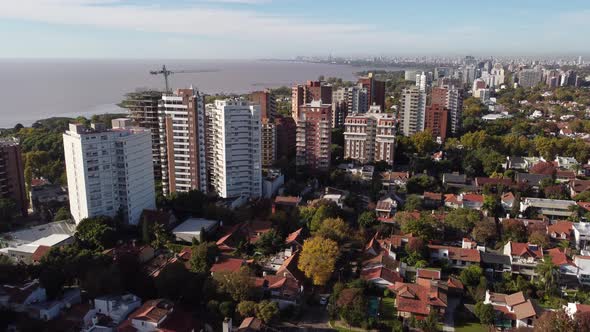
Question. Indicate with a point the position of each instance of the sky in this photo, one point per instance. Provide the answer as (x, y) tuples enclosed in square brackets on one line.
[(243, 29)]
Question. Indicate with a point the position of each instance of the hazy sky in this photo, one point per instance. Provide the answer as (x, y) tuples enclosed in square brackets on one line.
[(285, 28)]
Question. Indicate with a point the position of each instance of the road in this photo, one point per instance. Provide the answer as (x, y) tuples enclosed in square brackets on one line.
[(313, 318)]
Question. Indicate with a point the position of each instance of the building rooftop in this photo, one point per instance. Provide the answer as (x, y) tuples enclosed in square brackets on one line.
[(192, 227)]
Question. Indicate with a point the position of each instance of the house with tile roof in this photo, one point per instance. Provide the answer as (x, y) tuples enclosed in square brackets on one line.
[(290, 269), (19, 297), (582, 234), (468, 201), (295, 239), (227, 264), (159, 316), (418, 300), (561, 230), (578, 186), (524, 257), (457, 257), (283, 290), (567, 269), (381, 276), (513, 310), (391, 178), (573, 308), (285, 203), (385, 209)]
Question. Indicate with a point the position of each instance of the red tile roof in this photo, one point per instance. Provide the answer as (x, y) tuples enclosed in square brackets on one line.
[(561, 227), (433, 196), (382, 273), (294, 237), (227, 264), (467, 255), (39, 253), (417, 299), (287, 200), (473, 198), (584, 205), (481, 181), (558, 257), (522, 249), (428, 274)]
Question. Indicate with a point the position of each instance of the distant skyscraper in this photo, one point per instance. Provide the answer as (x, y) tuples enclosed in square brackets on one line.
[(143, 110), (306, 93), (498, 76), (375, 90), (12, 182), (437, 119), (267, 102), (478, 84), (370, 137), (528, 78), (314, 135), (412, 111), (109, 171), (234, 148), (580, 60), (469, 74), (182, 141), (410, 75)]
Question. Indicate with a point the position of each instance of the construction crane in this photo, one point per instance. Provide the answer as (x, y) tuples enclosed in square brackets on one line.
[(167, 73)]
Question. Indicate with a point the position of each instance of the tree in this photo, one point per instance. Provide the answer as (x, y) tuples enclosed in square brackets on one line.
[(539, 238), (227, 308), (266, 311), (430, 323), (413, 203), (237, 284), (470, 275), (96, 233), (548, 273), (203, 256), (161, 237), (269, 242), (582, 319), (485, 231), (423, 227), (368, 219), (485, 313), (463, 220), (423, 142), (62, 214), (334, 229), (7, 209), (247, 308), (318, 259), (168, 281), (420, 183), (513, 230), (52, 278), (555, 321)]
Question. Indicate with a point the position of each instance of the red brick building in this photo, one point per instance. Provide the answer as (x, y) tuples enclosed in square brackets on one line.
[(306, 93), (267, 102), (375, 91), (12, 181), (314, 135), (437, 119), (286, 131)]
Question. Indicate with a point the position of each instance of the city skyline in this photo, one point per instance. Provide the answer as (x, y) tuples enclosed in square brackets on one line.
[(207, 29)]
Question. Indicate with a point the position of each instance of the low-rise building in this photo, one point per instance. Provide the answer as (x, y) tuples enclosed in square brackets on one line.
[(582, 234), (418, 300), (110, 311), (194, 228), (272, 181), (385, 209), (456, 257), (524, 257), (159, 315), (512, 311), (33, 252), (551, 208), (561, 230)]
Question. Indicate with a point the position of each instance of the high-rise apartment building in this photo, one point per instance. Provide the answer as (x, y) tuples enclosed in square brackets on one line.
[(469, 73), (182, 141), (267, 102), (370, 137), (12, 181), (286, 130), (269, 142), (437, 119), (412, 110), (348, 100), (143, 111), (306, 93), (450, 98), (421, 81), (109, 171), (528, 78), (375, 90), (234, 148), (314, 135)]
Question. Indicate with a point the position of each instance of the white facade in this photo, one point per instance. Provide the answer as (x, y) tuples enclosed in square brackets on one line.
[(413, 111), (234, 145), (108, 171)]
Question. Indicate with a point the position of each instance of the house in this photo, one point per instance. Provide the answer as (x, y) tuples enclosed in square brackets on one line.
[(418, 300), (582, 234), (227, 264), (480, 182), (274, 262), (159, 315), (456, 257), (381, 276), (385, 209), (33, 252), (467, 201), (283, 290), (390, 179), (110, 311), (567, 162), (561, 230), (543, 167), (531, 180), (246, 232), (295, 239), (524, 257), (551, 208), (430, 274), (512, 311), (583, 272), (364, 173), (507, 200), (565, 264), (578, 186), (584, 205), (285, 203), (515, 162), (495, 264), (454, 180), (252, 324), (290, 269), (47, 195), (562, 176), (19, 297), (573, 308), (194, 228), (143, 253), (391, 245), (432, 200)]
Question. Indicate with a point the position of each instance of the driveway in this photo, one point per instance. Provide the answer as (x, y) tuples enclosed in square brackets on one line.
[(449, 323)]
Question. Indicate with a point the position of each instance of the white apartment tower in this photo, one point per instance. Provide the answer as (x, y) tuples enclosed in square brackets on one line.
[(412, 111), (181, 117), (370, 137), (109, 171), (234, 148)]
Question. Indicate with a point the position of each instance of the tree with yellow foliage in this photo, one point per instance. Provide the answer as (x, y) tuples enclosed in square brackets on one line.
[(318, 259)]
